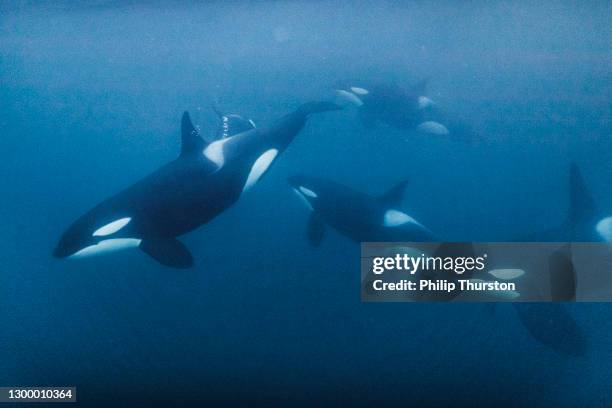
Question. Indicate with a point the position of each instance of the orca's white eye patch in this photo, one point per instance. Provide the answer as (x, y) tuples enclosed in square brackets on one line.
[(604, 229), (307, 192), (112, 227)]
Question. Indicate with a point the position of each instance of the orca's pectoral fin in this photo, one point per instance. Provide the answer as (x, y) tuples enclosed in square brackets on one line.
[(316, 230), (168, 251)]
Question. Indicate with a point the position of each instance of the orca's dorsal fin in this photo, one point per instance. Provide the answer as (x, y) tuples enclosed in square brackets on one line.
[(190, 138), (393, 196), (582, 206)]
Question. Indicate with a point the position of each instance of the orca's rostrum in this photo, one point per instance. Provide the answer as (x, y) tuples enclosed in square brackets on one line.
[(205, 180)]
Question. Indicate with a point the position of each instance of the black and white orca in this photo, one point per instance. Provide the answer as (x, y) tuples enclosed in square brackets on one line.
[(357, 215), (404, 109), (552, 324), (202, 182), (366, 218), (584, 223)]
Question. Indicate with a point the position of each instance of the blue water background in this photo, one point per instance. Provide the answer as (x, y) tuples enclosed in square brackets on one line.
[(91, 98)]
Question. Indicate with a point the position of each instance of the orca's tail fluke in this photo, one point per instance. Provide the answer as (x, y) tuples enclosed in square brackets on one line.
[(318, 107)]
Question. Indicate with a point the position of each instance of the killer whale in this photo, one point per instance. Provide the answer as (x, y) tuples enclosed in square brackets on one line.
[(402, 108), (551, 323), (548, 321), (357, 215), (389, 104), (366, 218), (584, 222), (206, 179)]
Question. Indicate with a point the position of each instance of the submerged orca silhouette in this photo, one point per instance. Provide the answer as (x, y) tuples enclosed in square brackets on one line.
[(205, 180)]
